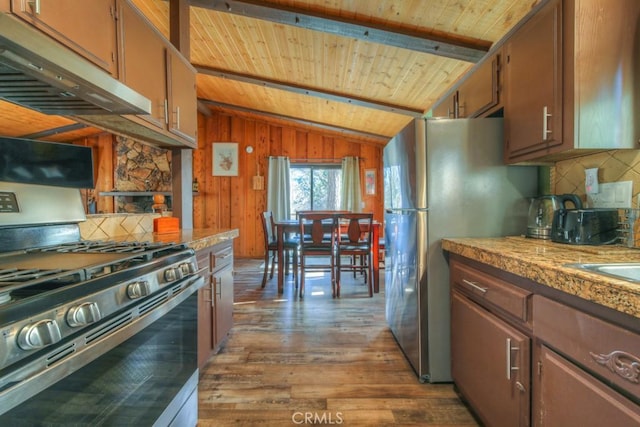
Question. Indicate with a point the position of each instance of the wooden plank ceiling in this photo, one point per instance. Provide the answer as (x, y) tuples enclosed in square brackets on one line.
[(361, 68)]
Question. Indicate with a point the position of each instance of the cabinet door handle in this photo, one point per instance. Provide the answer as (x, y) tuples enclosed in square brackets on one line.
[(509, 350), (474, 286), (165, 109), (177, 117), (218, 283), (456, 107), (210, 287), (35, 6), (545, 123)]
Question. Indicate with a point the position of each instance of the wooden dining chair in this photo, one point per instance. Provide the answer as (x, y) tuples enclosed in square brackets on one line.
[(318, 242), (321, 211), (355, 246), (290, 246)]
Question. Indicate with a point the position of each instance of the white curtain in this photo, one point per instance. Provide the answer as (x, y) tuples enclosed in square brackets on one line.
[(351, 198), (278, 188)]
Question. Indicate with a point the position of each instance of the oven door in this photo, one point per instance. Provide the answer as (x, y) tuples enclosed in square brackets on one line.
[(149, 378)]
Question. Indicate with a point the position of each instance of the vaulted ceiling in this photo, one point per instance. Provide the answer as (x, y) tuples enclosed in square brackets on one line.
[(360, 68)]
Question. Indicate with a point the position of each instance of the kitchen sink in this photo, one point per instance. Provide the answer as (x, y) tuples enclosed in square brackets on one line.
[(626, 271)]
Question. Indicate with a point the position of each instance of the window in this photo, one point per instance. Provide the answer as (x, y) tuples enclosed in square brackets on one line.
[(315, 187)]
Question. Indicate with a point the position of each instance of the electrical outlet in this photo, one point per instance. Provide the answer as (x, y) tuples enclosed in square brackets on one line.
[(612, 195)]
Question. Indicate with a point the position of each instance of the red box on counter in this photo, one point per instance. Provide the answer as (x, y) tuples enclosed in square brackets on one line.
[(166, 224)]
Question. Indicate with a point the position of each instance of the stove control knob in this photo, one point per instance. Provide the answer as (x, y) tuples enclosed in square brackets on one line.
[(172, 274), (83, 314), (137, 290), (187, 268), (39, 334)]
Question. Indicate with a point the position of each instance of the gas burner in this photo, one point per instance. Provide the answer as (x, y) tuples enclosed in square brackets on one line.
[(91, 246), (50, 267)]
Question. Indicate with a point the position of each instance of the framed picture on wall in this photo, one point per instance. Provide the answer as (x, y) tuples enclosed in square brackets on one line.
[(225, 159), (370, 181)]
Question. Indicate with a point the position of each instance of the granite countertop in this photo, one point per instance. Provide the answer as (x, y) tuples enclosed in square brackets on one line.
[(544, 262), (197, 239)]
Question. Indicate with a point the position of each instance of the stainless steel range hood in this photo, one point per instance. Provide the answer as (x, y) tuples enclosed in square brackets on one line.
[(38, 73)]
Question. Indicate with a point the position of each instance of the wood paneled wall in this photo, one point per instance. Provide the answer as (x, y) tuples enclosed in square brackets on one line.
[(104, 165), (231, 202)]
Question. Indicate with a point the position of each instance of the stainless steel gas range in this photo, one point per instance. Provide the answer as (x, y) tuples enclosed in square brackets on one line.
[(91, 332)]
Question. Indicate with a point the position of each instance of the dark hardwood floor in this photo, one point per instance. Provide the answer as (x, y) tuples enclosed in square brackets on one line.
[(317, 361)]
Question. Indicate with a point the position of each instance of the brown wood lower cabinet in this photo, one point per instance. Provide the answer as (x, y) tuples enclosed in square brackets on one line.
[(490, 364), (582, 361), (215, 299), (569, 396), (521, 358)]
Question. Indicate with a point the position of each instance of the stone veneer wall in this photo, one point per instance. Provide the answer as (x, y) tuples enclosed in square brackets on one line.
[(98, 227), (140, 167), (616, 165)]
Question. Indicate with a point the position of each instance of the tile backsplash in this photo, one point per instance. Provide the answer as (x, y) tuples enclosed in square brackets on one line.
[(98, 227), (568, 176)]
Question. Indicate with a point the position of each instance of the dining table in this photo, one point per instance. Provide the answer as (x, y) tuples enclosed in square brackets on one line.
[(292, 226)]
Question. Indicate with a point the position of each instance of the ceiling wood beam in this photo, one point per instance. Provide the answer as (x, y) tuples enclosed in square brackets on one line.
[(361, 102), (345, 131), (179, 26), (413, 40)]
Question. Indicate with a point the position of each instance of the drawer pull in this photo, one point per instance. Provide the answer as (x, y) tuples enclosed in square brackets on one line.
[(621, 363), (474, 286)]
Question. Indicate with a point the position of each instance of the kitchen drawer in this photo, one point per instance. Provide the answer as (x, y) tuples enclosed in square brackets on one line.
[(602, 348), (221, 256), (202, 257), (489, 290)]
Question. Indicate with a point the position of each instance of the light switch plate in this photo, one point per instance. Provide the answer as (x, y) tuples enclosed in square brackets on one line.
[(612, 195)]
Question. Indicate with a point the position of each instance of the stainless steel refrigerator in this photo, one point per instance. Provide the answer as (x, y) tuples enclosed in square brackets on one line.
[(442, 178)]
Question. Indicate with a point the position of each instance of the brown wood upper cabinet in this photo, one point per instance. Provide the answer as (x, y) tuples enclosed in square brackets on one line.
[(143, 61), (478, 95), (181, 88), (533, 85), (154, 68), (445, 108), (75, 24), (567, 89)]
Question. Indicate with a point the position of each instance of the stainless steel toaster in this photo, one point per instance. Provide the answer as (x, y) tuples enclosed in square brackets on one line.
[(585, 226)]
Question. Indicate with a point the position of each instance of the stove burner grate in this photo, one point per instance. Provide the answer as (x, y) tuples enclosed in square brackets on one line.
[(105, 247), (37, 280), (16, 275)]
